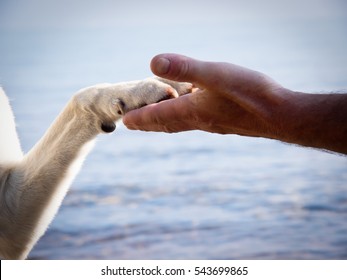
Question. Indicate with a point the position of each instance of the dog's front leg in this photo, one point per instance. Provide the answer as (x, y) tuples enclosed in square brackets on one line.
[(34, 188)]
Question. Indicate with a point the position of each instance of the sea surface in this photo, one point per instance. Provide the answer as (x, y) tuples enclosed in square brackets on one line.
[(192, 195)]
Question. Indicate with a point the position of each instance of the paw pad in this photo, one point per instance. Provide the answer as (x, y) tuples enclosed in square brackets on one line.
[(108, 127)]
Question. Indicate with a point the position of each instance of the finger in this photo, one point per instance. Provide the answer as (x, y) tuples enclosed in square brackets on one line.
[(166, 116), (185, 69)]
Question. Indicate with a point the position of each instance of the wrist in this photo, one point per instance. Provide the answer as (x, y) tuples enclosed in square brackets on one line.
[(313, 120)]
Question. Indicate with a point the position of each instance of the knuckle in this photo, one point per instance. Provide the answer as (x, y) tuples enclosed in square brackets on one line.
[(182, 71)]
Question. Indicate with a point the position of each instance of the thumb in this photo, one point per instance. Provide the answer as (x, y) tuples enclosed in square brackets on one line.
[(183, 69)]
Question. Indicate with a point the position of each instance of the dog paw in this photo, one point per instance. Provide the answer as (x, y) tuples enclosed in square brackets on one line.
[(181, 88), (107, 103)]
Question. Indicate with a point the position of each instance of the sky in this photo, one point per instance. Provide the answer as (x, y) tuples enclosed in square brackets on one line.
[(270, 36), (108, 13)]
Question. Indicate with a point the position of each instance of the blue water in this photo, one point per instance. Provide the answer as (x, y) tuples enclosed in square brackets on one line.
[(191, 195)]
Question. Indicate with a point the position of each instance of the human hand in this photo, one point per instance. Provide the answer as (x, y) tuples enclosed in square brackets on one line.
[(230, 100)]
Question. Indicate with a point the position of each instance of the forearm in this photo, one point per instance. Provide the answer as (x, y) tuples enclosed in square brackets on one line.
[(315, 120), (37, 185), (59, 147)]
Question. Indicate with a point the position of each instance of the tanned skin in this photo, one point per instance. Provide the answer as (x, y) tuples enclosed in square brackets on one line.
[(235, 100)]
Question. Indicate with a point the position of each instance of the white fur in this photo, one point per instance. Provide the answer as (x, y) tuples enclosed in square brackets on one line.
[(32, 186)]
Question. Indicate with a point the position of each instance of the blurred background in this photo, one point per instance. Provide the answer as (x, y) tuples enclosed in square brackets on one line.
[(190, 195)]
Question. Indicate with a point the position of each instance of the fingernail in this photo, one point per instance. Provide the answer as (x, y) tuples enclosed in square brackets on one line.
[(162, 66)]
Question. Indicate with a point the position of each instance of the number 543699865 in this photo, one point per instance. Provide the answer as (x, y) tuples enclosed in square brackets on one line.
[(208, 270)]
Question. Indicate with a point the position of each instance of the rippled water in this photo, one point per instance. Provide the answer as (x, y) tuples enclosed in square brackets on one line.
[(196, 195), (192, 195)]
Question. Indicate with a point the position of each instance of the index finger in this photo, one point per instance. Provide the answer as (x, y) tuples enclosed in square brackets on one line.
[(167, 116)]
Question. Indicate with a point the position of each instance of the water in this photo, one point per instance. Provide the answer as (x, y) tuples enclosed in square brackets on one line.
[(191, 195)]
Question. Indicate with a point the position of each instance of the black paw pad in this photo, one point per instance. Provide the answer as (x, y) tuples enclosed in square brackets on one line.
[(108, 127)]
